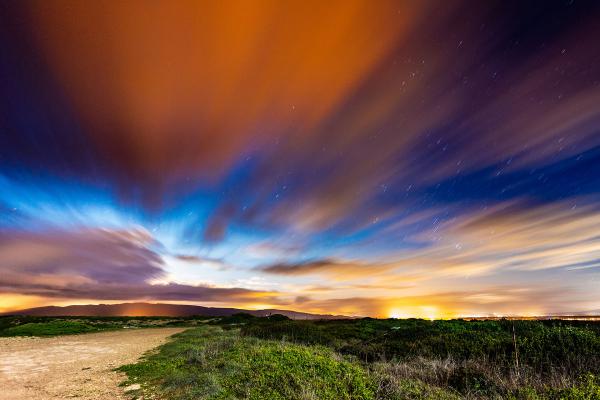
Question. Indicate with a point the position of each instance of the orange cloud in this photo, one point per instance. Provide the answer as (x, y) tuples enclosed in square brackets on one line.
[(182, 86)]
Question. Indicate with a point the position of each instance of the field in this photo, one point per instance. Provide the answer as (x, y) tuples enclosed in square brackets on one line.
[(245, 357), (53, 326)]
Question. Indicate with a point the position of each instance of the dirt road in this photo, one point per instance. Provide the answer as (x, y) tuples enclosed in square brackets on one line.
[(72, 367)]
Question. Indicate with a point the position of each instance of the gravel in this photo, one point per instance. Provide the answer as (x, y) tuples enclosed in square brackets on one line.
[(75, 366)]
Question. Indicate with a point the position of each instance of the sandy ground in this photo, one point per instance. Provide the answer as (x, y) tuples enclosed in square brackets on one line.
[(72, 367)]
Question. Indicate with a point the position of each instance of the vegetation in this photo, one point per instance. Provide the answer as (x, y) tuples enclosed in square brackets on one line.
[(244, 357), (52, 326), (209, 363), (541, 343)]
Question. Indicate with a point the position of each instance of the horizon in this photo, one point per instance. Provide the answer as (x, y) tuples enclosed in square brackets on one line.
[(389, 159), (578, 316)]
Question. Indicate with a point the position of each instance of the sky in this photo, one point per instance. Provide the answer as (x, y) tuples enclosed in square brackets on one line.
[(430, 159)]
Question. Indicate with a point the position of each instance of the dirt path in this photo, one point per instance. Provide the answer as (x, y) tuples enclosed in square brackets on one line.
[(72, 367)]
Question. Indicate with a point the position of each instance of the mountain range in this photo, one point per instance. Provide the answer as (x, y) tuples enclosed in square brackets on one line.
[(157, 309)]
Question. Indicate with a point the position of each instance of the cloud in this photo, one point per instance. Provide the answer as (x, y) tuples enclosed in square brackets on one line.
[(337, 269), (517, 235), (190, 258), (272, 249), (84, 255), (511, 236), (186, 102), (494, 300), (395, 146), (98, 264), (332, 119), (117, 291), (301, 299), (205, 261)]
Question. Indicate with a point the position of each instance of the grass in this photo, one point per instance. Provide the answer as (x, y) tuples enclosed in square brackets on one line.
[(52, 326), (245, 357), (275, 358), (478, 359), (209, 363)]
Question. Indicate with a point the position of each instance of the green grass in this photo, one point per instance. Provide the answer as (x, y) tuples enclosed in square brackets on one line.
[(245, 357), (541, 344), (209, 363), (51, 328), (274, 358), (476, 359)]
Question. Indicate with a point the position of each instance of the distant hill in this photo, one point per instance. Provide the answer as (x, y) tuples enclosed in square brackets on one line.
[(151, 309)]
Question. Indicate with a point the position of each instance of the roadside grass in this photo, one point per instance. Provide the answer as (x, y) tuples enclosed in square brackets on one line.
[(53, 326), (210, 363), (244, 357)]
